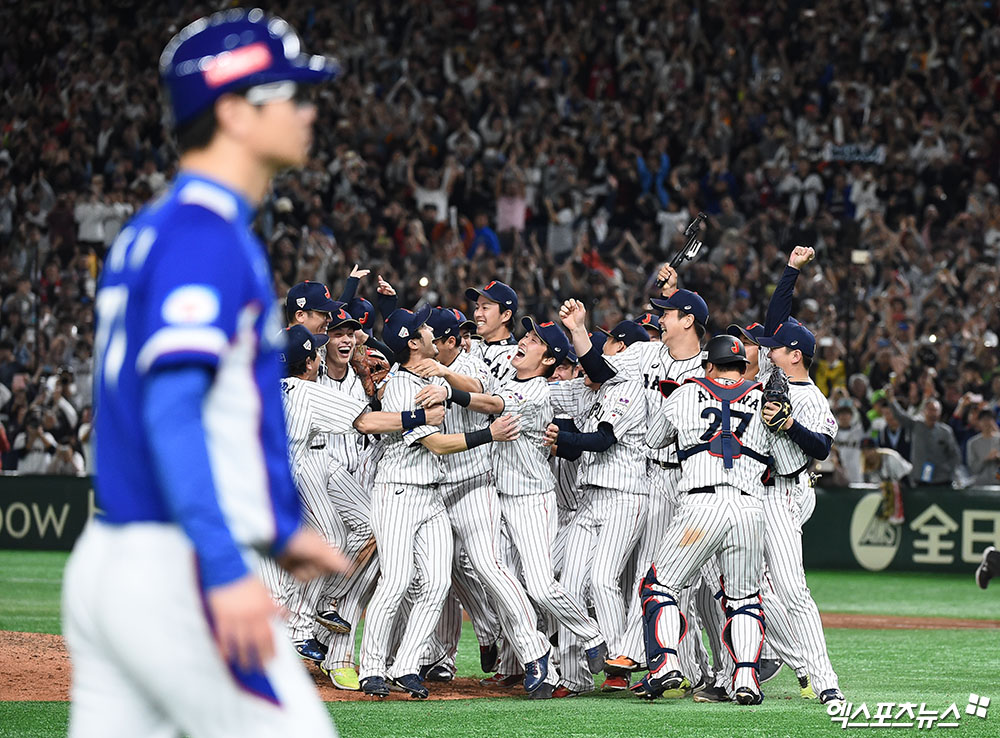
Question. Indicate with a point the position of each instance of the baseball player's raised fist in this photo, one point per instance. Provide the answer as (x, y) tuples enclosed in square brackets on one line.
[(551, 435), (669, 276), (431, 395), (307, 555), (800, 256), (242, 612), (434, 415), (506, 428), (573, 314), (428, 368)]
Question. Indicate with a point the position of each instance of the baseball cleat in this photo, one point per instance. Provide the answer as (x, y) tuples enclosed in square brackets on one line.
[(615, 683), (678, 692), (331, 620), (343, 677), (544, 692), (535, 673), (311, 650), (596, 657), (983, 573), (671, 680), (621, 665), (411, 683), (711, 694), (375, 686), (501, 680), (831, 695), (769, 668), (641, 688), (561, 692), (747, 696), (488, 657), (806, 688), (435, 673)]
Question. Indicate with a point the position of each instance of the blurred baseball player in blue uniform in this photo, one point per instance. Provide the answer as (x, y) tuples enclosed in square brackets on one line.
[(192, 471)]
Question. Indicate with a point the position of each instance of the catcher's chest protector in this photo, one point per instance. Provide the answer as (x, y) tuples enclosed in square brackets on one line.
[(721, 439)]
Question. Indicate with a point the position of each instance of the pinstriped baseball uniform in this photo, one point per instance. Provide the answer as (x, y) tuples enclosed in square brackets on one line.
[(606, 529), (496, 355), (570, 399), (528, 504), (313, 414), (727, 522), (651, 363), (474, 510), (413, 535), (783, 537)]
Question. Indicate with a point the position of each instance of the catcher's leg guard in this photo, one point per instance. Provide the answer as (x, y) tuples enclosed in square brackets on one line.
[(743, 635), (663, 625)]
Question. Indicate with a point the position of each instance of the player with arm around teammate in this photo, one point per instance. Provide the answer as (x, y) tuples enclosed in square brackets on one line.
[(527, 487), (472, 501), (613, 489), (722, 446), (192, 473), (409, 520)]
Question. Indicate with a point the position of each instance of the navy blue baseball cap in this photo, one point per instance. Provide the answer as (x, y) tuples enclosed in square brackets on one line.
[(312, 296), (499, 292), (445, 322), (551, 334), (300, 344), (343, 319), (402, 325), (597, 340), (650, 320), (748, 334), (464, 323), (234, 50), (628, 331), (364, 312), (685, 301), (791, 335)]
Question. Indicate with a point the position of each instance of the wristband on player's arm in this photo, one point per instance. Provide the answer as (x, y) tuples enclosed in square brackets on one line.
[(460, 397), (478, 438), (596, 367), (413, 419)]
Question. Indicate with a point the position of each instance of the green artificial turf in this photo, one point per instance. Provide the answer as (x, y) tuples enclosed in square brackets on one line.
[(934, 667)]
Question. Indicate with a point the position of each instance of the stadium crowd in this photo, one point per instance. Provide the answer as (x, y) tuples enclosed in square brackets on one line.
[(561, 147)]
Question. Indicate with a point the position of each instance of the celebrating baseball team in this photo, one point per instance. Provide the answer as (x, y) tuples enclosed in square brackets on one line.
[(594, 501)]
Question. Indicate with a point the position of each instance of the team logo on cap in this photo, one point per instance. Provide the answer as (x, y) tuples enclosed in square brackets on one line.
[(341, 315), (545, 325), (489, 285), (300, 301), (364, 318), (307, 345), (734, 348), (230, 65), (403, 332)]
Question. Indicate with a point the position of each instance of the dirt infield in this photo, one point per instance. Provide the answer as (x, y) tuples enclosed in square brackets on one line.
[(35, 666)]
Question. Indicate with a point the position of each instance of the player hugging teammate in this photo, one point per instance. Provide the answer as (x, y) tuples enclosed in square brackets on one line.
[(643, 474)]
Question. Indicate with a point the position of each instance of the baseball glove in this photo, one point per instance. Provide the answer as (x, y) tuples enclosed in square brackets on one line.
[(776, 390), (371, 367)]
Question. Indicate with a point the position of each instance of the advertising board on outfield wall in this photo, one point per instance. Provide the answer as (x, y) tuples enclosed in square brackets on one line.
[(944, 529)]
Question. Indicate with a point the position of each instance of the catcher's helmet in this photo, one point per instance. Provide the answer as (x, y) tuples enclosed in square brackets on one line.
[(723, 350)]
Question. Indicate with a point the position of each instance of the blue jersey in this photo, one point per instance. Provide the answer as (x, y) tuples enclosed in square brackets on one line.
[(188, 283)]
